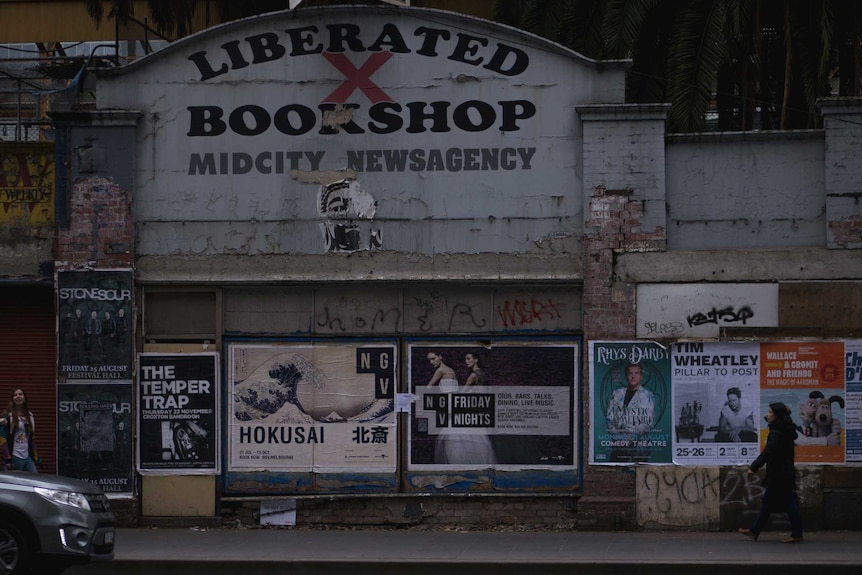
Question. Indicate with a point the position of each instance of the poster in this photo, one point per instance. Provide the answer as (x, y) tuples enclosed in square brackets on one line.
[(95, 326), (178, 398), (27, 182), (502, 406), (809, 378), (322, 407), (94, 434), (716, 402), (853, 399), (631, 403)]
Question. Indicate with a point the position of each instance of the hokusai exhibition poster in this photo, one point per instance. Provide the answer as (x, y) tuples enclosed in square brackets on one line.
[(321, 407)]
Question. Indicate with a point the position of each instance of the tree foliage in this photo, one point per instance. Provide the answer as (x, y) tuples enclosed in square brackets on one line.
[(752, 64), (176, 16), (756, 64)]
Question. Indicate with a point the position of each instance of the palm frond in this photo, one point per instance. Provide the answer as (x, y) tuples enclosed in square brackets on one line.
[(697, 51)]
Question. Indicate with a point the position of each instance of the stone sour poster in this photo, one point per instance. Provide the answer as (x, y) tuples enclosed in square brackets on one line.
[(94, 434), (95, 327)]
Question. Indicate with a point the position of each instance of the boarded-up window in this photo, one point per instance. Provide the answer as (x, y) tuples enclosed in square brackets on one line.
[(180, 315)]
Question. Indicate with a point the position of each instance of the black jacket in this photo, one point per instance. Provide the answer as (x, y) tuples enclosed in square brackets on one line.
[(778, 456)]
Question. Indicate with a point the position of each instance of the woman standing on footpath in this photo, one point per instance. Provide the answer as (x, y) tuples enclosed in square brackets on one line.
[(780, 481), (18, 426)]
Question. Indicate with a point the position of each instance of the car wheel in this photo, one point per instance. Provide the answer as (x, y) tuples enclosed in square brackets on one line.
[(14, 552)]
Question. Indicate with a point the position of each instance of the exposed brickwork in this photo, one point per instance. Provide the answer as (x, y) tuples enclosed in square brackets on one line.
[(100, 231), (613, 226), (456, 511), (847, 233), (609, 481)]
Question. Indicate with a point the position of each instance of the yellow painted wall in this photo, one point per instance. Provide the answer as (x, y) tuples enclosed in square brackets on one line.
[(26, 21), (26, 185)]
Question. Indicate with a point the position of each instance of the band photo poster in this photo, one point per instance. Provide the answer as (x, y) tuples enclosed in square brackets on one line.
[(312, 407), (510, 405), (94, 434), (95, 327), (631, 403), (178, 414)]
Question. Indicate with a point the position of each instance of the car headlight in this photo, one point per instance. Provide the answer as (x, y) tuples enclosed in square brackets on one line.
[(71, 498)]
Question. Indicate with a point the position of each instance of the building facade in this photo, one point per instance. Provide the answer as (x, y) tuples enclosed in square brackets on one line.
[(354, 257)]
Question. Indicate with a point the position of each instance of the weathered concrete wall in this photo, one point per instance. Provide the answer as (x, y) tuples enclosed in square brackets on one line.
[(751, 191), (678, 497), (713, 498), (31, 260), (417, 309), (843, 171), (558, 262)]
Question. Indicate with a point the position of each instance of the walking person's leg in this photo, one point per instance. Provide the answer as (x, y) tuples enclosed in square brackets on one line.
[(760, 521), (795, 520)]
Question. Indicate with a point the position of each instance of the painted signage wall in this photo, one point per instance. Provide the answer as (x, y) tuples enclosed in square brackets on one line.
[(26, 186), (332, 130)]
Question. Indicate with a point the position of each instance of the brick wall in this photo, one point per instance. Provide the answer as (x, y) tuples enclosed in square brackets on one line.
[(847, 233), (100, 229), (613, 226), (449, 511)]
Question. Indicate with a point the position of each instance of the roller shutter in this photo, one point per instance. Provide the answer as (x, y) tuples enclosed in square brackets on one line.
[(28, 360)]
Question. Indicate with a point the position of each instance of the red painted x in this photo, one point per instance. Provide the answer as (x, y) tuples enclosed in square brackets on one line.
[(358, 78)]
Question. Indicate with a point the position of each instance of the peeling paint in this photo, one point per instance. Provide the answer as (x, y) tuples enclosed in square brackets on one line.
[(337, 116), (443, 481), (324, 177)]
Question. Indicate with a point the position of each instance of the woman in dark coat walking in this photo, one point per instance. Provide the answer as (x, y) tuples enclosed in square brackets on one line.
[(780, 481)]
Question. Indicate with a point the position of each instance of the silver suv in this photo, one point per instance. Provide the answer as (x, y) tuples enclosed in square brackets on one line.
[(48, 523)]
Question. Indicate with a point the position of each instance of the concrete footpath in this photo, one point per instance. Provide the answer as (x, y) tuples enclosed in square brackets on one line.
[(290, 551)]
